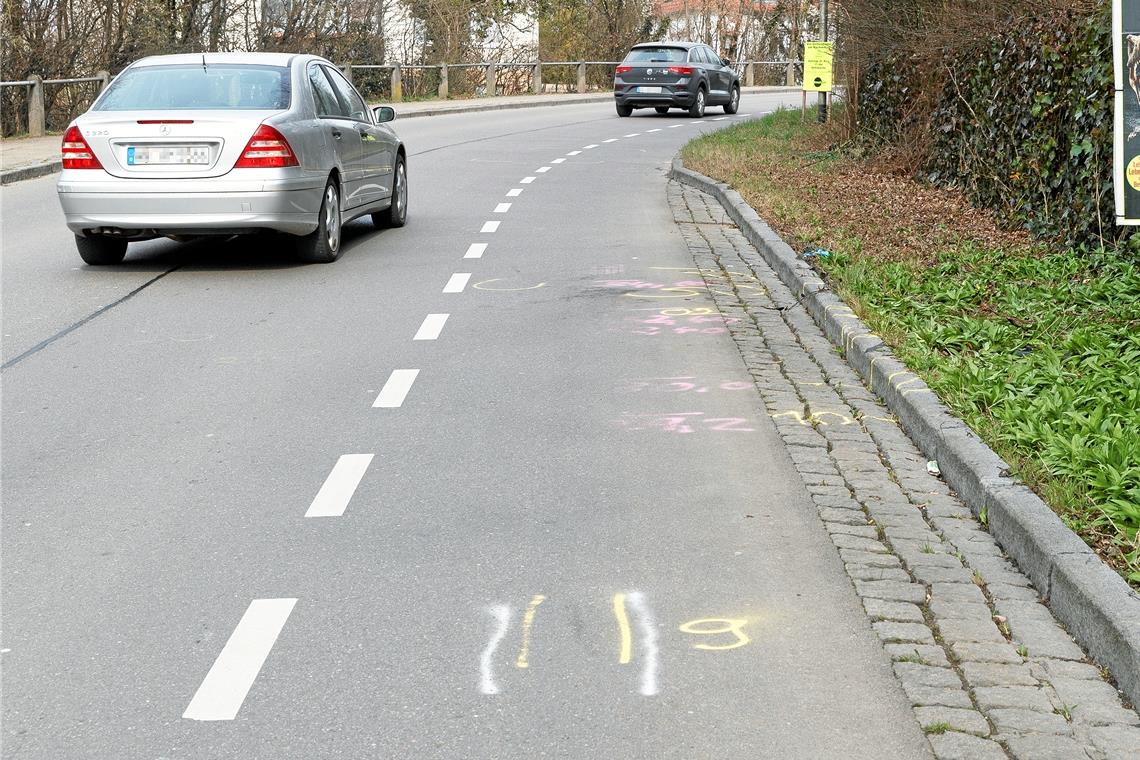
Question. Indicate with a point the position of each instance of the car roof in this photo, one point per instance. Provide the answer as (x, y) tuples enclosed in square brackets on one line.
[(684, 45), (263, 59)]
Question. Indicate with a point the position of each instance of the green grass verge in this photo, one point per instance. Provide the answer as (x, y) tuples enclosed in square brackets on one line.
[(1037, 349)]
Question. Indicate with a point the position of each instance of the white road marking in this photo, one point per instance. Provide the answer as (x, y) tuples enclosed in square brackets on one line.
[(648, 642), (490, 227), (432, 326), (676, 126), (527, 180), (542, 170), (612, 139), (653, 130), (574, 153), (514, 192), (396, 388), (744, 115), (502, 615), (558, 161), (475, 251), (457, 282), (591, 146), (502, 208), (634, 134), (340, 485), (221, 694), (720, 118)]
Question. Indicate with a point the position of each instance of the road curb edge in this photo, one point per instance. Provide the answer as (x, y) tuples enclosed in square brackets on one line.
[(1094, 603)]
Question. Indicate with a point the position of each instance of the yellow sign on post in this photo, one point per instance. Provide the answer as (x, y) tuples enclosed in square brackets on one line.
[(818, 66)]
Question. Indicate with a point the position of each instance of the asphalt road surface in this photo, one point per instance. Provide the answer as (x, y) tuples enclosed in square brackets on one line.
[(493, 485)]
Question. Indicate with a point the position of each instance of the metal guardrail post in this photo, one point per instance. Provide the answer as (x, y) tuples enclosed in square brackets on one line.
[(36, 118), (581, 76), (536, 79), (749, 74), (104, 80), (443, 81), (397, 84), (492, 85), (791, 79), (348, 73)]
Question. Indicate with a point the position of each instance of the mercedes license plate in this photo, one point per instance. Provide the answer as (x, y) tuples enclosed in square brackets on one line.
[(142, 155), (653, 90)]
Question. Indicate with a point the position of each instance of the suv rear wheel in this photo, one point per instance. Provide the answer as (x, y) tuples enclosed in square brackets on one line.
[(697, 109), (733, 104), (625, 110)]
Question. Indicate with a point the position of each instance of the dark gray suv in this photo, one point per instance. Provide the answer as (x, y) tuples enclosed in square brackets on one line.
[(664, 75)]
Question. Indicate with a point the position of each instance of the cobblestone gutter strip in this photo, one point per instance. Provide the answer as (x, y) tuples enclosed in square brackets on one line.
[(1092, 601), (987, 669)]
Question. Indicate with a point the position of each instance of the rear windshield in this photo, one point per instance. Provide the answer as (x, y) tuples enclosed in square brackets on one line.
[(192, 86), (656, 55)]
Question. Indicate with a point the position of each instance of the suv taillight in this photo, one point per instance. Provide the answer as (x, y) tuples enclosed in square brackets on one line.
[(267, 149), (682, 70), (623, 69), (76, 152)]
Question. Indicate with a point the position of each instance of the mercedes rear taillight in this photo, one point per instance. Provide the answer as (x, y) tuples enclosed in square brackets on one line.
[(77, 153), (267, 149)]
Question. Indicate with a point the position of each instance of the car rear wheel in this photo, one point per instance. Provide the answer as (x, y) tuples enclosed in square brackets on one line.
[(322, 245), (100, 250), (661, 109), (697, 109), (625, 110), (733, 104), (396, 215)]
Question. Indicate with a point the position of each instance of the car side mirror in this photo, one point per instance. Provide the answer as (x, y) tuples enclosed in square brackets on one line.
[(383, 114), (726, 63)]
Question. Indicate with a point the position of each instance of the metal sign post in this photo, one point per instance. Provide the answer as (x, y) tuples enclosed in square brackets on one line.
[(818, 72), (1126, 150)]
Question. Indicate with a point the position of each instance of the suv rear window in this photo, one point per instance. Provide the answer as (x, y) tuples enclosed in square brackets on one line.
[(656, 55), (190, 86)]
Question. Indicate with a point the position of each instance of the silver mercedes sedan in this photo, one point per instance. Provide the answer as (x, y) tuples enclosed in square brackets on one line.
[(229, 143)]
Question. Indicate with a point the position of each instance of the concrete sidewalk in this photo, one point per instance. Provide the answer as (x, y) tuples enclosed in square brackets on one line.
[(30, 157)]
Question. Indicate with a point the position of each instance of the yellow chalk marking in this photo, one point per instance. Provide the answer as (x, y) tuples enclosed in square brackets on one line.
[(844, 419), (908, 382), (798, 417), (719, 626), (623, 628), (528, 621), (893, 375)]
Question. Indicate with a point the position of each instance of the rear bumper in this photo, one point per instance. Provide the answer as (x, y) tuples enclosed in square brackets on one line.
[(167, 207), (672, 98)]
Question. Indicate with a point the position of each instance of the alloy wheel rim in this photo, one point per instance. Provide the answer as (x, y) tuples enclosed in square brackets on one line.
[(735, 98), (401, 191), (332, 218), (700, 101)]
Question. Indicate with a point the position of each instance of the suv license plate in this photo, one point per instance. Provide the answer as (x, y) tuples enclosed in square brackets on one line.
[(653, 90), (143, 155)]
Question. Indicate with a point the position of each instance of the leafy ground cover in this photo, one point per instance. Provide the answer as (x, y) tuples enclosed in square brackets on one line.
[(1037, 347)]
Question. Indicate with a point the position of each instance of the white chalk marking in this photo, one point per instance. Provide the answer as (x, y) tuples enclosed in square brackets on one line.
[(432, 326), (475, 251), (502, 208), (457, 282), (514, 192), (574, 153), (527, 180), (648, 631), (502, 615), (396, 389), (542, 170), (633, 134), (490, 227), (339, 486), (221, 694), (611, 140)]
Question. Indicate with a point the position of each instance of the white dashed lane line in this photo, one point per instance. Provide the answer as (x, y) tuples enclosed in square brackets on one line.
[(514, 192), (650, 131), (542, 170), (527, 180), (502, 208), (676, 126), (490, 227), (457, 282), (221, 694), (396, 389), (475, 251), (340, 485), (558, 161), (611, 140), (574, 153), (589, 147), (432, 326), (634, 134)]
